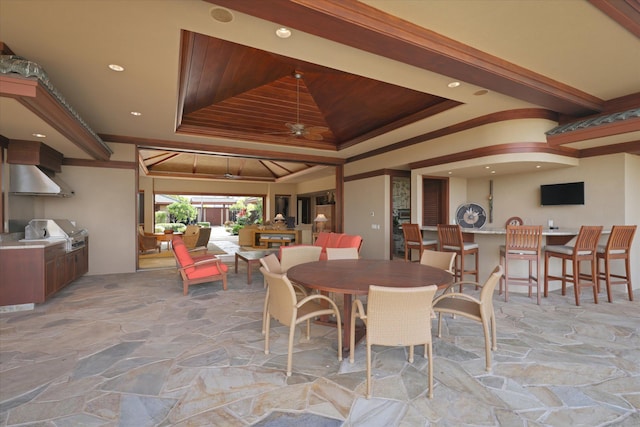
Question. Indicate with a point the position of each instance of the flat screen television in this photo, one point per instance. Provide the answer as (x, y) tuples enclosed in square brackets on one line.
[(570, 193)]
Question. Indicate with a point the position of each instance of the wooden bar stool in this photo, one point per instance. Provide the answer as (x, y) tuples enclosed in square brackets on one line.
[(413, 240), (583, 251), (618, 247), (450, 240), (522, 242)]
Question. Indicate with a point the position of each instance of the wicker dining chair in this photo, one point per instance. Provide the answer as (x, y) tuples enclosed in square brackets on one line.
[(342, 253), (478, 309), (396, 317), (443, 260), (283, 306)]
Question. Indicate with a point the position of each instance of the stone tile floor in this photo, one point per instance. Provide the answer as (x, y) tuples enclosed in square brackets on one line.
[(131, 350)]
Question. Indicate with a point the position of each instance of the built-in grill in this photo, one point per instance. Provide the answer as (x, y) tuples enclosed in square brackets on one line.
[(56, 230)]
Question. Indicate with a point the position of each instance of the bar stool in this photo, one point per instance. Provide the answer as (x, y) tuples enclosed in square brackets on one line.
[(450, 240), (584, 250), (522, 242), (413, 240), (618, 247)]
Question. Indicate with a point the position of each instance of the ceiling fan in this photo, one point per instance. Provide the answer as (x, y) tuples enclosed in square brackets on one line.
[(297, 129), (229, 175)]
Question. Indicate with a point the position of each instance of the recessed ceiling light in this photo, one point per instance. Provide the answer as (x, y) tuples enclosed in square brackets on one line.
[(283, 33), (481, 92), (453, 84), (493, 171), (487, 167), (538, 166), (39, 135), (450, 173), (116, 67), (136, 113)]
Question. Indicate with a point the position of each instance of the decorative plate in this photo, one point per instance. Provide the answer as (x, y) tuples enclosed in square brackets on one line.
[(471, 215)]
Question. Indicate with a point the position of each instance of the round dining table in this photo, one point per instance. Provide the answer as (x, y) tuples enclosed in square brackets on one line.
[(354, 276)]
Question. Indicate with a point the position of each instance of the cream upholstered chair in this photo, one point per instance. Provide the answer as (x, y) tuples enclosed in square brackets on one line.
[(396, 317), (478, 309), (450, 239), (413, 240), (618, 247), (283, 306), (522, 242), (583, 251), (291, 256), (342, 253), (443, 260)]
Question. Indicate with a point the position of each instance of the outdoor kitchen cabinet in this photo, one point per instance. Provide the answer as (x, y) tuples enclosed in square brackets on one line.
[(33, 275)]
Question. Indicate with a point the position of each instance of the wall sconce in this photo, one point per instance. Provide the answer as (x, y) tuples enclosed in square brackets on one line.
[(320, 220)]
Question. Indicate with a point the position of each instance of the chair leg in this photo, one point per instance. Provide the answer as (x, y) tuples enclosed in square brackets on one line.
[(266, 334), (594, 279), (546, 274), (292, 332), (576, 279), (411, 349), (627, 269), (487, 342), (265, 314), (430, 368), (368, 371), (538, 280)]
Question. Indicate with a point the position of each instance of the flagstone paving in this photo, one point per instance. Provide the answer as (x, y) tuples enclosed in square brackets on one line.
[(131, 350)]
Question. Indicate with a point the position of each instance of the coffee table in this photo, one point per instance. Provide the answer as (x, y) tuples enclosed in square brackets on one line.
[(251, 258)]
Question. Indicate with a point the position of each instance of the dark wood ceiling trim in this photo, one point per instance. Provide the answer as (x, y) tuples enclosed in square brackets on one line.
[(363, 27), (372, 174), (208, 177), (222, 150), (112, 164), (525, 113), (632, 147), (624, 12), (514, 148), (36, 98), (290, 141), (601, 131)]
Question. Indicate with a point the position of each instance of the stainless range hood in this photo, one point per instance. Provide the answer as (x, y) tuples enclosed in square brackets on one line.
[(30, 180)]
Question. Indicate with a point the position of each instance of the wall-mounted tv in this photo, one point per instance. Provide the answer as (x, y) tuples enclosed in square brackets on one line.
[(570, 193)]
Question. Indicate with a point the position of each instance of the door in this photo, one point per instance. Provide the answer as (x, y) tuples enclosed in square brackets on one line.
[(435, 197)]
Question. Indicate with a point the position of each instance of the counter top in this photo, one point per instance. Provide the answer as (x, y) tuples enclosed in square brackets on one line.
[(496, 230), (31, 244)]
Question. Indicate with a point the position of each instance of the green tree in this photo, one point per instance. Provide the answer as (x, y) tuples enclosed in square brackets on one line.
[(182, 210)]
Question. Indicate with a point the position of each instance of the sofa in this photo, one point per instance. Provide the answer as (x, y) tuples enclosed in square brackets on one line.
[(336, 240)]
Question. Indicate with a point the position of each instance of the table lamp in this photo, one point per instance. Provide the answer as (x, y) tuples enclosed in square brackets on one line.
[(320, 220), (278, 220)]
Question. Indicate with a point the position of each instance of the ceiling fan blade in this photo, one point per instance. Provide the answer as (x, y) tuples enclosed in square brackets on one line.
[(317, 129), (312, 136)]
